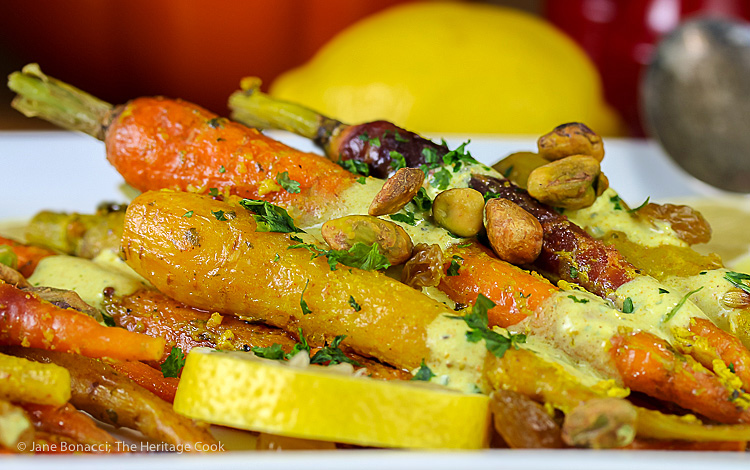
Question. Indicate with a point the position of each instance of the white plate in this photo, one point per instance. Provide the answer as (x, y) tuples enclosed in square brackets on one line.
[(68, 172)]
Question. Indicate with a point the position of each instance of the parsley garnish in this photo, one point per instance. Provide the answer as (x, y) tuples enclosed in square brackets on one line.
[(399, 138), (627, 305), (397, 160), (577, 300), (287, 183), (424, 373), (663, 291), (332, 354), (223, 216), (300, 346), (213, 192), (354, 304), (355, 166), (370, 140), (303, 305), (441, 179), (731, 367), (216, 123), (270, 218), (174, 363), (616, 201), (273, 351), (430, 155), (362, 180), (478, 321), (276, 258), (360, 256), (422, 200), (573, 272), (736, 279), (640, 207), (222, 169), (458, 156), (405, 217), (188, 214), (682, 301), (108, 319), (455, 265)]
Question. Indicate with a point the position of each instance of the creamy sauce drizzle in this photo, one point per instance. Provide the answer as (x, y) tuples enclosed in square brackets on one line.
[(602, 217), (88, 278)]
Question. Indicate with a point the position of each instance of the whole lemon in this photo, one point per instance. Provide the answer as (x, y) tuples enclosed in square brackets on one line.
[(453, 67)]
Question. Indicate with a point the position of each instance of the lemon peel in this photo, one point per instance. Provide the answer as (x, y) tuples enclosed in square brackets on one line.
[(239, 390)]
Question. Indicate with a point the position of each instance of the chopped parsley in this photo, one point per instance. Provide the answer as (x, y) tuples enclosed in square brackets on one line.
[(188, 214), (663, 291), (455, 266), (577, 300), (213, 192), (573, 272), (731, 367), (362, 180), (355, 166), (290, 185), (354, 304), (736, 279), (273, 351), (270, 218), (108, 319), (370, 140), (216, 123), (424, 373), (617, 202), (478, 323), (222, 169), (303, 305), (332, 354), (367, 257), (422, 200), (627, 305), (441, 179), (400, 138), (631, 211), (174, 363), (430, 156), (405, 217), (458, 156), (397, 160), (276, 258), (223, 216), (682, 301)]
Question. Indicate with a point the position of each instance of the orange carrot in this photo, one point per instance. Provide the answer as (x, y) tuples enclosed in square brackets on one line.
[(516, 293), (149, 378), (28, 255), (68, 422), (647, 365), (28, 321)]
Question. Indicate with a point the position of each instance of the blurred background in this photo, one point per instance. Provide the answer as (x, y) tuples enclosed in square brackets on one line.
[(199, 50)]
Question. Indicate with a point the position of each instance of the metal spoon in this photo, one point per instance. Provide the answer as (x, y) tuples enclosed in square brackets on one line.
[(695, 96)]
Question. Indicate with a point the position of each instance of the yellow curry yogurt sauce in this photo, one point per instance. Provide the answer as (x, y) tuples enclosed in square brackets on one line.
[(603, 217), (581, 324), (88, 278)]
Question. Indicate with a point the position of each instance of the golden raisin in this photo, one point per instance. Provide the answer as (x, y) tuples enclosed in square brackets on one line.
[(687, 223)]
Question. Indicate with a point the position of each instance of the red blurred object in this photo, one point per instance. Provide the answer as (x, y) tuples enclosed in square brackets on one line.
[(192, 49), (620, 36)]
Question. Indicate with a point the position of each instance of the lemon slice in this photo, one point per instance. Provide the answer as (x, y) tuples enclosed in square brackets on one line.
[(243, 391)]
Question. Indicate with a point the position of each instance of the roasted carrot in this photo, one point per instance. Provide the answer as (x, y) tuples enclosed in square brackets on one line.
[(648, 366), (27, 320), (68, 422), (159, 143), (149, 378), (153, 313), (516, 293), (114, 399), (28, 255)]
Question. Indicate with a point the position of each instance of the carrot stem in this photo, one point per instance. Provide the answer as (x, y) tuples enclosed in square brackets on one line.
[(255, 108), (57, 102)]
